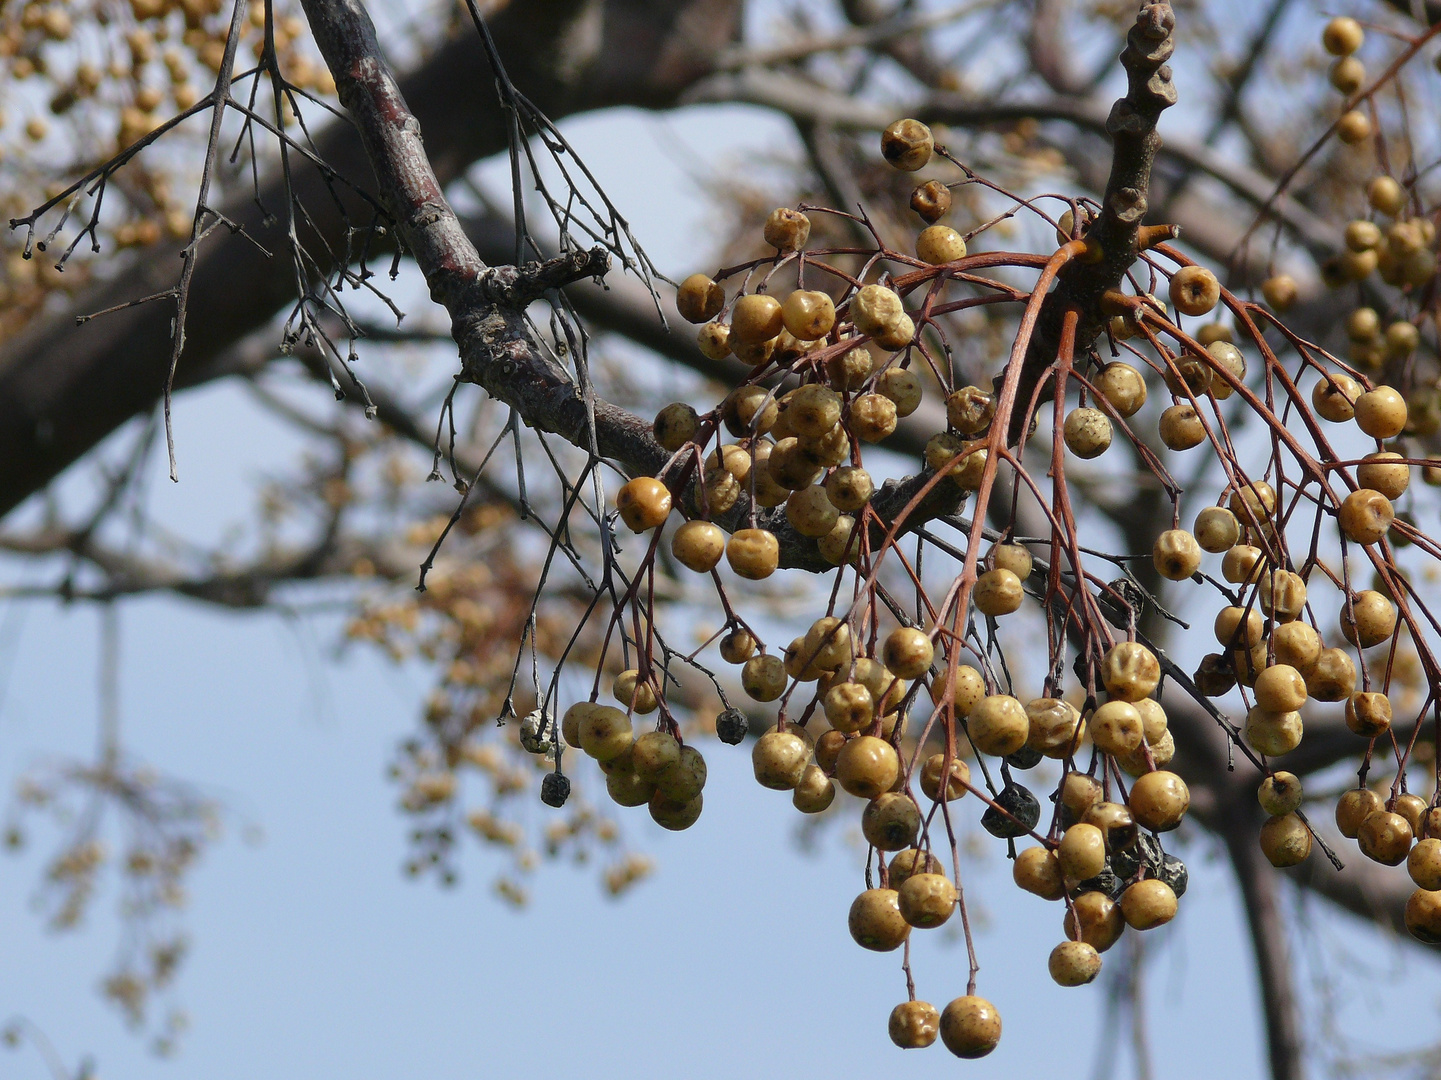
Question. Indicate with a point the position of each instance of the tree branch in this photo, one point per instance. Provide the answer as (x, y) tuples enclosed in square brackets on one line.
[(497, 351), (1260, 897), (1113, 236)]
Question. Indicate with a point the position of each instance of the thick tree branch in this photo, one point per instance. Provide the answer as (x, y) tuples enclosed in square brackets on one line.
[(623, 306), (1261, 899), (1050, 52), (249, 588), (61, 390)]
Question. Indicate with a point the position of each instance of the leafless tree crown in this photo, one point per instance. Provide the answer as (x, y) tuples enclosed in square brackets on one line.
[(939, 413)]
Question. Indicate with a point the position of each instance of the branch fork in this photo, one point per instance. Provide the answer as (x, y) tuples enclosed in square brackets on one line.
[(517, 286)]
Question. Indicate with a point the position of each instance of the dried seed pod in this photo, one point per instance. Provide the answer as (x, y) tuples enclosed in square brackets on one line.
[(786, 229), (932, 200)]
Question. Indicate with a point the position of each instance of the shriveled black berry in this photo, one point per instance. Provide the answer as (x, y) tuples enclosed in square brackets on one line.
[(1126, 863), (1129, 592), (1173, 872), (1106, 881), (1215, 676), (1146, 852), (1124, 837), (731, 727), (555, 789), (1151, 852), (1025, 758), (1022, 806)]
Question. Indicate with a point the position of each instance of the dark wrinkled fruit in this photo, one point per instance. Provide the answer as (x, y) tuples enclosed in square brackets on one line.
[(1215, 676), (731, 727), (1126, 863), (1146, 852), (1106, 881), (1174, 873), (555, 789), (1021, 804), (1150, 849), (1116, 822), (1025, 758)]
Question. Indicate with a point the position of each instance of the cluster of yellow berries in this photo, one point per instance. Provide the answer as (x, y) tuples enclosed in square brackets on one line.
[(800, 448), (1398, 243), (1342, 37), (655, 770), (850, 349), (1112, 874), (1268, 647), (1402, 253), (1266, 644)]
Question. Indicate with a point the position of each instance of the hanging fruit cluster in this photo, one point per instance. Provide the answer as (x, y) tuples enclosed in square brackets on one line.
[(913, 709)]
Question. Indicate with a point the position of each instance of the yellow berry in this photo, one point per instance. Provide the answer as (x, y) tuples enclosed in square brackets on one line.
[(1386, 196), (1280, 793), (907, 144), (643, 503), (1148, 904), (1195, 290), (1353, 127), (699, 299), (1074, 963), (779, 759), (914, 1025), (875, 921), (755, 318), (1280, 292), (970, 1027), (867, 766), (940, 244), (1381, 413), (1285, 840), (808, 315), (786, 230), (1087, 432), (1342, 36)]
